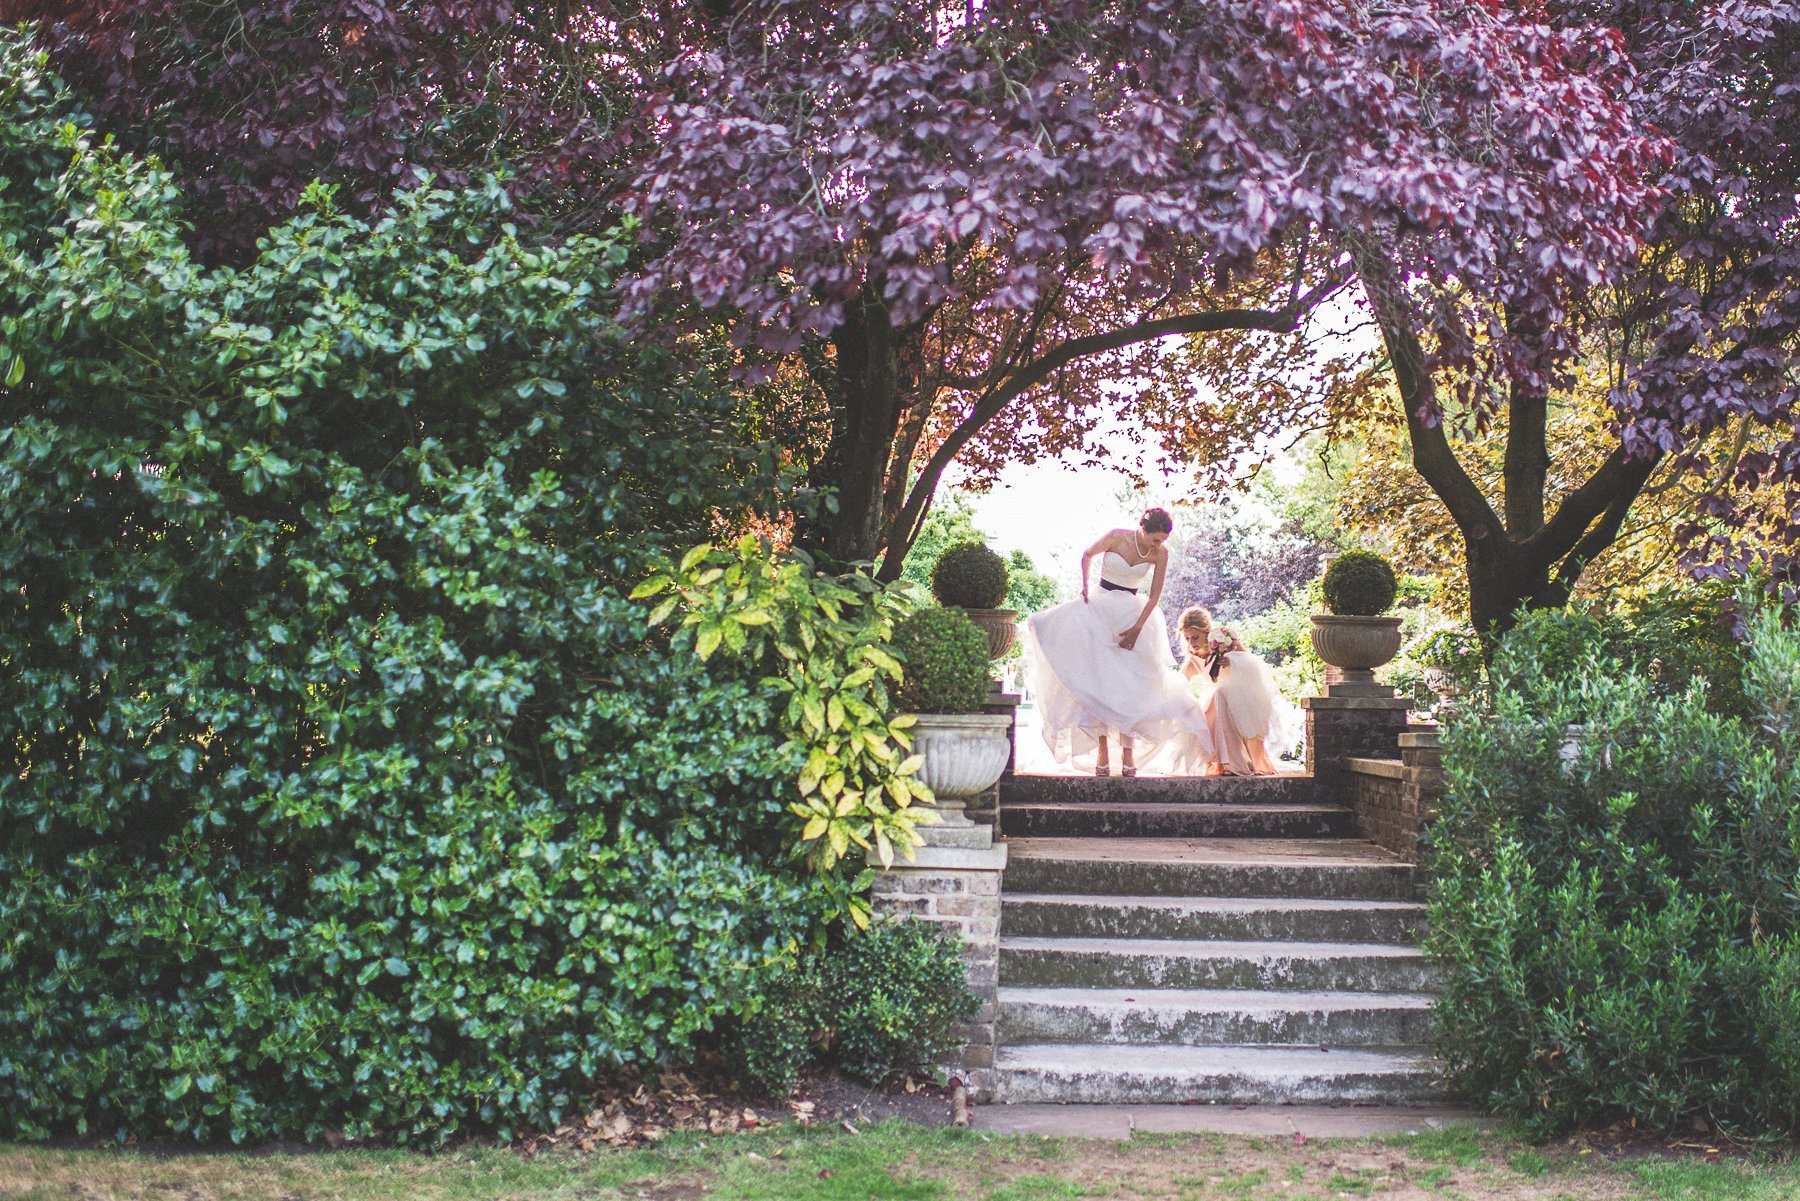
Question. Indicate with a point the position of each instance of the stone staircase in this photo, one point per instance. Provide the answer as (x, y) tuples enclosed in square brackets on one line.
[(1228, 940)]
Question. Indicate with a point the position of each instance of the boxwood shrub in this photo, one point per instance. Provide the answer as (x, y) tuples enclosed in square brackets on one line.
[(945, 659), (1360, 583), (969, 576), (1614, 891)]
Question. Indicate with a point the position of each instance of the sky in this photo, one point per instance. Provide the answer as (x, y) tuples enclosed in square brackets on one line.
[(1053, 510)]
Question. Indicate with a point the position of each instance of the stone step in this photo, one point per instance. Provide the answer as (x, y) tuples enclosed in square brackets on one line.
[(1202, 1017), (1175, 819), (1138, 790), (1180, 963), (1165, 1073), (1207, 867), (1238, 918)]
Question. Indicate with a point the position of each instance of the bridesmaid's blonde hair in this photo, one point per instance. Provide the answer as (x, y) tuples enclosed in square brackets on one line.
[(1195, 619)]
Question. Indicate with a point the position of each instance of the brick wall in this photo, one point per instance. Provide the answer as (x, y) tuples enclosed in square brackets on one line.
[(1394, 798), (1340, 727), (1377, 794), (957, 887)]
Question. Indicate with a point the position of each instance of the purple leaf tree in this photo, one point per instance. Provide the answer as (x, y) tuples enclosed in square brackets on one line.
[(975, 222), (1697, 330)]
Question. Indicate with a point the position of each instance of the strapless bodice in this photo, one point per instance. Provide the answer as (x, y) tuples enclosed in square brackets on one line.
[(1114, 569)]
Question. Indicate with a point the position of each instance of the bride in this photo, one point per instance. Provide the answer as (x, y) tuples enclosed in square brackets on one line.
[(1101, 667)]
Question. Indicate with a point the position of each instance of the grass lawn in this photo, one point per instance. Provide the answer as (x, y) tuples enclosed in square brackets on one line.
[(911, 1163)]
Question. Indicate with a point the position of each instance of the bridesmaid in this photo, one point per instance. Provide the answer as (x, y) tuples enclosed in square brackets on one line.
[(1250, 721)]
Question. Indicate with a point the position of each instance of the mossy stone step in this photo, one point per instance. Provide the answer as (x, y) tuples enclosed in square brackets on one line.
[(1232, 1017), (1170, 1073), (1138, 790), (1173, 819), (1177, 963), (1303, 919), (1207, 867)]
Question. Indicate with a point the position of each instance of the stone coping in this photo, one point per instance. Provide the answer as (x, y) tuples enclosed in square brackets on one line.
[(956, 859), (1392, 769), (1356, 703), (1421, 740)]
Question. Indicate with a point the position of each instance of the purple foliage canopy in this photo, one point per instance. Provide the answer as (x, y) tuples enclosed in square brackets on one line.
[(988, 210), (824, 151)]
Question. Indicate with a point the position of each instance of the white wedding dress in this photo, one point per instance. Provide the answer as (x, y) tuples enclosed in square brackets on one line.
[(1086, 685)]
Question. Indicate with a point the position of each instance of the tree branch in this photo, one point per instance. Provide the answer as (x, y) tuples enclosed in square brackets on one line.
[(1432, 456), (1606, 531), (907, 521), (1618, 477)]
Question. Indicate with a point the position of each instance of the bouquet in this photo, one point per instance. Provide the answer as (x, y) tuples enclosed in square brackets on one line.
[(1219, 643)]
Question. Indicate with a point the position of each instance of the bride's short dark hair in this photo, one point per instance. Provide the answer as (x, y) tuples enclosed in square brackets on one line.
[(1156, 521)]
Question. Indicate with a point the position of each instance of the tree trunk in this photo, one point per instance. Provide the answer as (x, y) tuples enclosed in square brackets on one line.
[(1502, 579), (865, 416), (1523, 560)]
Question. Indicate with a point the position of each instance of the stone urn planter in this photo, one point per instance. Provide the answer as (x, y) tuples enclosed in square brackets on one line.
[(1356, 646), (972, 579), (1354, 636), (964, 752), (1001, 627)]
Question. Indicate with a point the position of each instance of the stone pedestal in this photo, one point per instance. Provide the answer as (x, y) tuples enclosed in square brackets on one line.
[(1353, 719), (954, 880), (985, 807)]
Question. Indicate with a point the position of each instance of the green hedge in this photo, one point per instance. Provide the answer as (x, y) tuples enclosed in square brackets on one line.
[(946, 662), (1615, 890), (874, 1003), (343, 789)]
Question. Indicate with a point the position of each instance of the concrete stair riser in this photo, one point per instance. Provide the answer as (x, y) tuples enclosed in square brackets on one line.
[(1103, 1016), (1118, 790), (1232, 918), (1140, 964), (1225, 1075), (1380, 882), (1223, 940), (1164, 820)]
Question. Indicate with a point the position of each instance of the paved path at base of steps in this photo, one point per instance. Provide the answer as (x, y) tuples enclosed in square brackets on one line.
[(1285, 1121)]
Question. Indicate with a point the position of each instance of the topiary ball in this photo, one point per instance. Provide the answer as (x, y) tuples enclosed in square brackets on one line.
[(945, 661), (969, 576), (1360, 583)]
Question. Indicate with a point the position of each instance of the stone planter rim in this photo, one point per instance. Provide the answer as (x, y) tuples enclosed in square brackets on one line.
[(1000, 625), (1355, 644), (963, 721), (1356, 619), (964, 753)]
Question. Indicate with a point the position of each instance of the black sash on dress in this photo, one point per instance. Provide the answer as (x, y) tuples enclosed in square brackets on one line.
[(1112, 587)]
